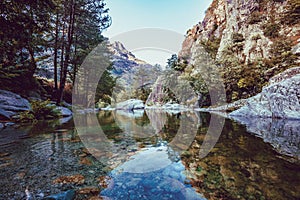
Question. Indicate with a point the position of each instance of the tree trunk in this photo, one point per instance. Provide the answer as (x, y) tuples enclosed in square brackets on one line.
[(66, 62), (32, 60), (55, 54)]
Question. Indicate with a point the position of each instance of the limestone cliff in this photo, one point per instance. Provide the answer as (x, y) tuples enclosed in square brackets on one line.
[(250, 40)]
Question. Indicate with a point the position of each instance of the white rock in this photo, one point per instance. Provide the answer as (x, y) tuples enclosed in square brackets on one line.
[(278, 100), (131, 104), (65, 112)]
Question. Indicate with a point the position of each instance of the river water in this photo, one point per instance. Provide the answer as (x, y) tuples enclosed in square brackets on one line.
[(148, 155)]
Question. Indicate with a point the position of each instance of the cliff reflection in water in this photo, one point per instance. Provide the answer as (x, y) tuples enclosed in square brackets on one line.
[(239, 166)]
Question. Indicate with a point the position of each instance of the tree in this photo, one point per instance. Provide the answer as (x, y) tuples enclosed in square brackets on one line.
[(84, 22), (23, 24)]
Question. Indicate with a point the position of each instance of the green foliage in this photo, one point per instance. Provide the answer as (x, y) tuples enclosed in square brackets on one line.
[(211, 46), (39, 110), (292, 15), (142, 93), (271, 29), (255, 17), (237, 37), (174, 63), (71, 28), (105, 87), (281, 59)]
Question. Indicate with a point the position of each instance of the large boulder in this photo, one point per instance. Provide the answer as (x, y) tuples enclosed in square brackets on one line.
[(11, 104), (131, 104), (280, 99), (64, 112)]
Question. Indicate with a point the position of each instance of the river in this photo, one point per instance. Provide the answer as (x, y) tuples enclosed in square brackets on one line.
[(146, 155)]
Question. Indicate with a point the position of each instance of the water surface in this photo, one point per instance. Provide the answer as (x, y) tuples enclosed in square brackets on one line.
[(152, 155)]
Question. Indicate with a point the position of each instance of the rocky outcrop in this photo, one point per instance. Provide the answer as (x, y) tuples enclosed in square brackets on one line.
[(123, 60), (11, 104), (131, 104), (281, 99), (251, 41), (225, 18)]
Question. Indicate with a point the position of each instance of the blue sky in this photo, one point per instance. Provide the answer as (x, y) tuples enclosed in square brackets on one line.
[(175, 15)]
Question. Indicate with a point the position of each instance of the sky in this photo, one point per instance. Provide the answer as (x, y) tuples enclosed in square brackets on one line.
[(170, 15)]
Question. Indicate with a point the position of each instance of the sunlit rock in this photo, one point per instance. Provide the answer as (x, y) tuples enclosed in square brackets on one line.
[(64, 112), (131, 104), (278, 100)]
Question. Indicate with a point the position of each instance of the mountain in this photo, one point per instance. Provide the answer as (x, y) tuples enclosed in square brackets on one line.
[(123, 60), (250, 42), (134, 76)]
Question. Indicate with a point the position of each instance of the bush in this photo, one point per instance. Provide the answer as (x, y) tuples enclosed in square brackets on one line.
[(211, 46), (271, 30), (292, 15), (40, 110), (237, 37), (255, 17)]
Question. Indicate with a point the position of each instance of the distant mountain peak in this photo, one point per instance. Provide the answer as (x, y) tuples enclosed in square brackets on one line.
[(119, 51)]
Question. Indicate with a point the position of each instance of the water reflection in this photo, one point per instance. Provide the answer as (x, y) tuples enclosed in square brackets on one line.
[(240, 166), (282, 134), (153, 170), (164, 161)]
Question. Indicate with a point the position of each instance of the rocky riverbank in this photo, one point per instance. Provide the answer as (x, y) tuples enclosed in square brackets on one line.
[(13, 106)]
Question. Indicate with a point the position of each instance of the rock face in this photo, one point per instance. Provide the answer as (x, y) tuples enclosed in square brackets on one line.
[(281, 99), (11, 104), (123, 60), (131, 104), (225, 18), (250, 40)]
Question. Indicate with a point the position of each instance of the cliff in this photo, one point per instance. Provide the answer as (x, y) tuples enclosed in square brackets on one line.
[(250, 41)]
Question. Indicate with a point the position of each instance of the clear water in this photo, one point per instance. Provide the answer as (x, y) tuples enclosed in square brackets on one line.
[(151, 155)]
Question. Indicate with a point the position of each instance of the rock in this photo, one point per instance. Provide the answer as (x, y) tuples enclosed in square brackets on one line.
[(75, 179), (68, 195), (89, 190), (281, 99), (9, 124), (65, 112), (11, 104), (4, 114), (228, 107), (131, 104)]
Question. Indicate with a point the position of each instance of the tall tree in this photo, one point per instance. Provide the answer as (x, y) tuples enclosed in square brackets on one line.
[(85, 20)]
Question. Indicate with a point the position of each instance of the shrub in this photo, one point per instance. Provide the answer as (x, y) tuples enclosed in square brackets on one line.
[(255, 17), (40, 110), (292, 15), (211, 46), (237, 37), (271, 30)]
